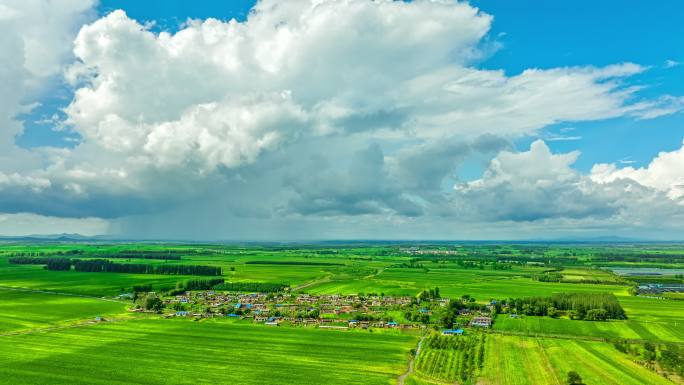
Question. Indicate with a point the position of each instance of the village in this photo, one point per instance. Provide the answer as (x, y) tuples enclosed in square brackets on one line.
[(324, 311)]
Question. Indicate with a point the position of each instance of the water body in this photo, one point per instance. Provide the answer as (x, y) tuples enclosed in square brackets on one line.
[(646, 271)]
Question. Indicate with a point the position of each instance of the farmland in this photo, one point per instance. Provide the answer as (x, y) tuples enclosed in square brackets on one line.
[(22, 310), (207, 352), (521, 360), (310, 314)]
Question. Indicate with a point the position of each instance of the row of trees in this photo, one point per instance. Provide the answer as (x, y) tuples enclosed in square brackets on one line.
[(106, 266), (202, 284), (669, 357), (262, 287), (548, 277), (303, 263), (170, 257), (589, 306), (429, 295), (58, 264), (29, 260), (44, 253)]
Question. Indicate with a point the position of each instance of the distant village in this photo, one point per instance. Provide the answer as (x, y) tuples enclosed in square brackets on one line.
[(323, 311)]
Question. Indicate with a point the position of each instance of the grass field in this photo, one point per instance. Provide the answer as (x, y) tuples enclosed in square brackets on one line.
[(44, 338), (451, 359), (186, 352), (583, 275), (20, 310), (629, 329), (483, 285), (520, 361)]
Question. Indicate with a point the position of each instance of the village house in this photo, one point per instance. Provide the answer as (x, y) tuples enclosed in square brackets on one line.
[(481, 322)]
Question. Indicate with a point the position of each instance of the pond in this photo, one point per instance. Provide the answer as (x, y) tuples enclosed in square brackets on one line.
[(646, 271)]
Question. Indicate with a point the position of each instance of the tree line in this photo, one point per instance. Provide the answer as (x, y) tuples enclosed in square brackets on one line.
[(58, 264), (586, 306), (303, 263), (43, 253), (29, 260), (106, 266), (202, 284), (261, 287), (170, 257)]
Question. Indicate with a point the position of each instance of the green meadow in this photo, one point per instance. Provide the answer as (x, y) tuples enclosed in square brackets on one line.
[(515, 360), (454, 282), (627, 329), (48, 333), (186, 352), (22, 310)]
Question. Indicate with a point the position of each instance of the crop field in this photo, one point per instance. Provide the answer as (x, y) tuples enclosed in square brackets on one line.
[(95, 284), (451, 359), (20, 310), (186, 352), (48, 332), (588, 275), (482, 285), (514, 360), (628, 329)]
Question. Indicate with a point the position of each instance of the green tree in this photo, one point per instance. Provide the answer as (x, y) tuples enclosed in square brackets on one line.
[(574, 378), (153, 302)]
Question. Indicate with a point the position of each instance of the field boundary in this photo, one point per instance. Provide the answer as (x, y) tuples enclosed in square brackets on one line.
[(75, 324), (577, 337), (28, 290)]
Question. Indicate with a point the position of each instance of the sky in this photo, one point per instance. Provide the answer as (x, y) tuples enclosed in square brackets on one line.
[(342, 119)]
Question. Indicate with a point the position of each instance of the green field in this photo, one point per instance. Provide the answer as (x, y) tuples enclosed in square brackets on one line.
[(49, 335), (186, 352), (628, 329), (520, 361), (483, 285), (20, 310), (451, 359)]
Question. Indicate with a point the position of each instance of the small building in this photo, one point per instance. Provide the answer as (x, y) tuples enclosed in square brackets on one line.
[(481, 322), (452, 332), (182, 313)]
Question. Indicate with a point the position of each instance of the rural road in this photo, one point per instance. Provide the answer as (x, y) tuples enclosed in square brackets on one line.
[(402, 378), (311, 283)]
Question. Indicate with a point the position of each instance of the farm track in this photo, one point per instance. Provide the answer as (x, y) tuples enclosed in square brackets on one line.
[(402, 378), (312, 283), (78, 324), (547, 362), (24, 289)]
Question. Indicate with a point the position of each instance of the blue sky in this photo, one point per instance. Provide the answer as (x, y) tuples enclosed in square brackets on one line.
[(599, 33), (343, 120), (579, 33)]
